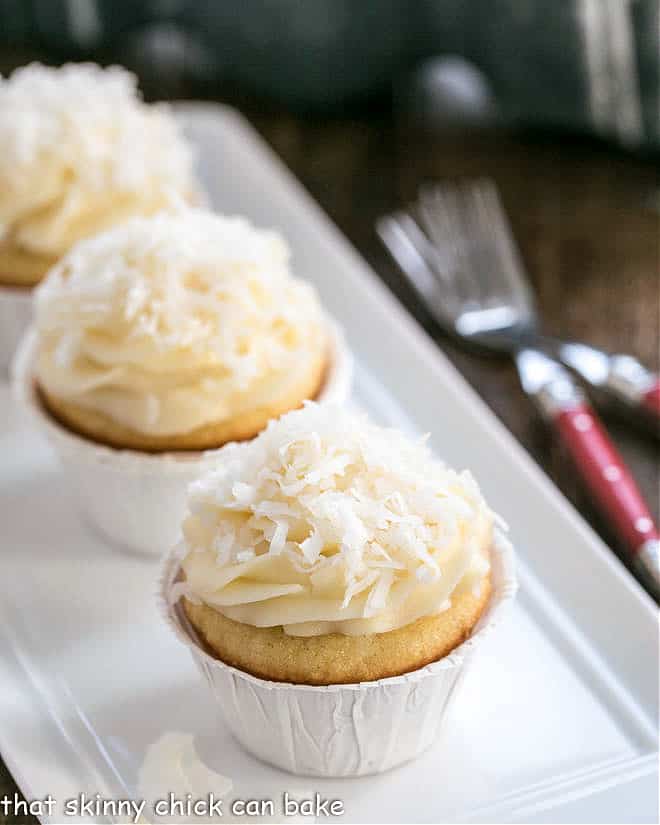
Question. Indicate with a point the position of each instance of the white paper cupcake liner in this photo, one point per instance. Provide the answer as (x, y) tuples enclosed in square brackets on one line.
[(137, 500), (15, 315), (340, 730)]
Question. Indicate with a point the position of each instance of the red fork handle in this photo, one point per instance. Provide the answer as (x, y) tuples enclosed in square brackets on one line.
[(629, 381), (651, 399), (608, 479)]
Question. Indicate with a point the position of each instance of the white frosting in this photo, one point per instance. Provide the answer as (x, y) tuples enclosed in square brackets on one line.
[(165, 324), (172, 765), (80, 151), (327, 523)]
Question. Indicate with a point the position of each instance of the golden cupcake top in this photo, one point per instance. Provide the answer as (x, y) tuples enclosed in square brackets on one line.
[(168, 323), (327, 523), (79, 151)]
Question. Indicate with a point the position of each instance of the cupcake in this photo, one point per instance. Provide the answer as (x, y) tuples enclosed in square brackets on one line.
[(79, 152), (170, 336), (332, 562)]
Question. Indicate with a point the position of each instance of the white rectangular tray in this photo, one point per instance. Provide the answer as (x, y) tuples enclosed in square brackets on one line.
[(556, 722)]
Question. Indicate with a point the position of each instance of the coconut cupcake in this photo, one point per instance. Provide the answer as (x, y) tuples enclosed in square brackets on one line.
[(79, 152), (173, 335), (331, 552)]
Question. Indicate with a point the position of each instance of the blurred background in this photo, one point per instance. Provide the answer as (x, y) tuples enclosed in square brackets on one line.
[(590, 65), (584, 65), (557, 100)]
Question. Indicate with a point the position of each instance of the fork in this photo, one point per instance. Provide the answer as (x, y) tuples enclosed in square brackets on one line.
[(456, 249), (467, 223)]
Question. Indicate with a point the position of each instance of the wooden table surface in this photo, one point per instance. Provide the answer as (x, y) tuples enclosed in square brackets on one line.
[(587, 218)]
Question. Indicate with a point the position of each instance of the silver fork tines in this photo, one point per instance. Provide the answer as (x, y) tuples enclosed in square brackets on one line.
[(488, 267), (418, 260), (467, 269)]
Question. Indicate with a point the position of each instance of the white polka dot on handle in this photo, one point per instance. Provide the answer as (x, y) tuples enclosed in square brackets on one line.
[(643, 524), (582, 422), (612, 473)]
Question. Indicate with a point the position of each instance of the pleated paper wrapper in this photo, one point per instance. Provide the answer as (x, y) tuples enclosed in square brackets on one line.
[(137, 500), (341, 730)]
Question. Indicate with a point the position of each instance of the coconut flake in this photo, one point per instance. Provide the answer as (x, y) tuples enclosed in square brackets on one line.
[(378, 595), (243, 493), (91, 123), (278, 539), (187, 305), (370, 505), (311, 547)]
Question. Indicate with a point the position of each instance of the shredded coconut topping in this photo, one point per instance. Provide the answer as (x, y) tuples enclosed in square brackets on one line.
[(325, 517), (78, 144), (162, 321)]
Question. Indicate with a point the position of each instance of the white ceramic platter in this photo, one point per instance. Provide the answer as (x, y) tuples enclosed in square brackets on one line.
[(557, 720)]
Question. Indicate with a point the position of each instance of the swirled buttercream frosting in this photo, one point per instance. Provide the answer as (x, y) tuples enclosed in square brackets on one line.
[(327, 523), (167, 323), (80, 151)]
